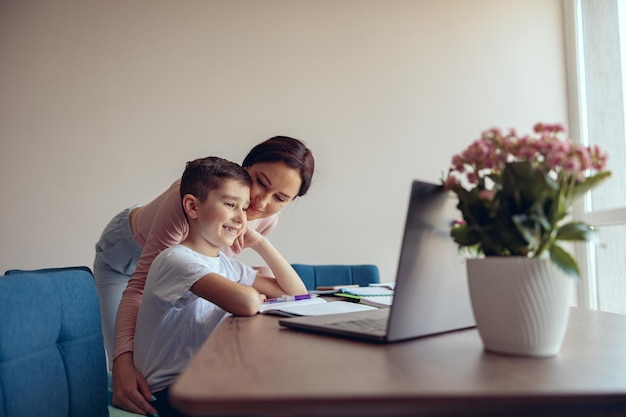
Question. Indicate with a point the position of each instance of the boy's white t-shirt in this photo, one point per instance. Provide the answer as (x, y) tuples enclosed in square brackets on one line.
[(173, 322)]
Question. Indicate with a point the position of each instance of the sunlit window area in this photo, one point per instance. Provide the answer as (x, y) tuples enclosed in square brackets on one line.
[(596, 31)]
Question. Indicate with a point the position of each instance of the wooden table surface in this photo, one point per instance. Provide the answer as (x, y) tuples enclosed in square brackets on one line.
[(253, 366)]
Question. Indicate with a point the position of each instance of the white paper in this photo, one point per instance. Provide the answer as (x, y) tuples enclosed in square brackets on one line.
[(367, 291), (287, 304), (317, 309)]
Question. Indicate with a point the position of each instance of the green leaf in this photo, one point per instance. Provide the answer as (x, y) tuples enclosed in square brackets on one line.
[(464, 235), (565, 261), (590, 182), (575, 231), (528, 228), (521, 186)]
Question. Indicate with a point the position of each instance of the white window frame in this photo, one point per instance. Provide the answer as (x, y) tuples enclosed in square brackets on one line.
[(578, 128)]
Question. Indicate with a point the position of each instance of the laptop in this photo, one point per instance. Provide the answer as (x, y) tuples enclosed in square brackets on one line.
[(431, 294)]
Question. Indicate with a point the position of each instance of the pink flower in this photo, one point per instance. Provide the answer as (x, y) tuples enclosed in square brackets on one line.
[(451, 182), (572, 165), (500, 170), (458, 162), (487, 195), (583, 156), (548, 148), (598, 159)]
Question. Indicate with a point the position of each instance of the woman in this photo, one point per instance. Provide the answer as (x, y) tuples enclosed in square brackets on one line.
[(281, 169)]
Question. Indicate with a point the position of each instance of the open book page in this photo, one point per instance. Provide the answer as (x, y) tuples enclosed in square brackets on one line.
[(367, 291), (287, 304), (331, 289), (390, 285), (299, 308), (377, 296), (377, 300)]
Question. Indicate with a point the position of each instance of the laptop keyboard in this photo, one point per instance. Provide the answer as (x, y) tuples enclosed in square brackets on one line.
[(367, 325)]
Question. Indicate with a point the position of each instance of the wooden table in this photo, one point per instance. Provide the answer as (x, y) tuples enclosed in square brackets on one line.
[(252, 366)]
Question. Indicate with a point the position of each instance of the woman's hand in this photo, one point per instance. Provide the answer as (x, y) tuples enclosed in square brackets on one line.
[(131, 392)]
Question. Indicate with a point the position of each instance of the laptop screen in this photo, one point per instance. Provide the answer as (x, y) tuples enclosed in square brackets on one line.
[(431, 293)]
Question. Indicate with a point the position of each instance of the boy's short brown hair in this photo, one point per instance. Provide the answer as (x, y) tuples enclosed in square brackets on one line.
[(205, 174)]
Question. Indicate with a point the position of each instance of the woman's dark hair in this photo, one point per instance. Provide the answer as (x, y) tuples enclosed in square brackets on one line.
[(206, 174), (291, 151)]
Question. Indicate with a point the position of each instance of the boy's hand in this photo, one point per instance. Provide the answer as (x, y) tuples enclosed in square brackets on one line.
[(239, 243), (248, 238), (252, 238)]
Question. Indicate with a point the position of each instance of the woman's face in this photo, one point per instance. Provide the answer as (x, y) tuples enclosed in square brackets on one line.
[(274, 184)]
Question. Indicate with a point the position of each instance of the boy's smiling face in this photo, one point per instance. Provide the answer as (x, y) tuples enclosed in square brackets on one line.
[(221, 218)]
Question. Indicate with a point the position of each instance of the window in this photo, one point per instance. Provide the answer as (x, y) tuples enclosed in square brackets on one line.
[(596, 47)]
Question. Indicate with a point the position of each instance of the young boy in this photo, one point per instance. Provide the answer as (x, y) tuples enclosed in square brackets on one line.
[(190, 287)]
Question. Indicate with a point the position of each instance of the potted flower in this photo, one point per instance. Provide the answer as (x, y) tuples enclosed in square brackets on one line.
[(515, 194)]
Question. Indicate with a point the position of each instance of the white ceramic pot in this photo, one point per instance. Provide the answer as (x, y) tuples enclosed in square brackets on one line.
[(521, 305)]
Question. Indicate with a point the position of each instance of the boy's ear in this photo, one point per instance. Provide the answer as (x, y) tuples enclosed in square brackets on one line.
[(190, 206)]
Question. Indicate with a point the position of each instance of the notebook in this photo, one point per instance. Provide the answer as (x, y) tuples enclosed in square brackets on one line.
[(431, 294), (315, 306)]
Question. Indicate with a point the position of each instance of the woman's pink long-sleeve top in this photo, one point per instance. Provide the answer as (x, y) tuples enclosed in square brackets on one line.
[(157, 226)]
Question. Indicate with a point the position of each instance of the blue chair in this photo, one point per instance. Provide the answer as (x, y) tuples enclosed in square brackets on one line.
[(314, 276), (52, 360)]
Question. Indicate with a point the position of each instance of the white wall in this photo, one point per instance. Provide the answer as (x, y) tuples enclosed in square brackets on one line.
[(102, 103)]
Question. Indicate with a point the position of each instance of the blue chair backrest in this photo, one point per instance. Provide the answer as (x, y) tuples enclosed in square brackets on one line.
[(314, 276), (52, 360)]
